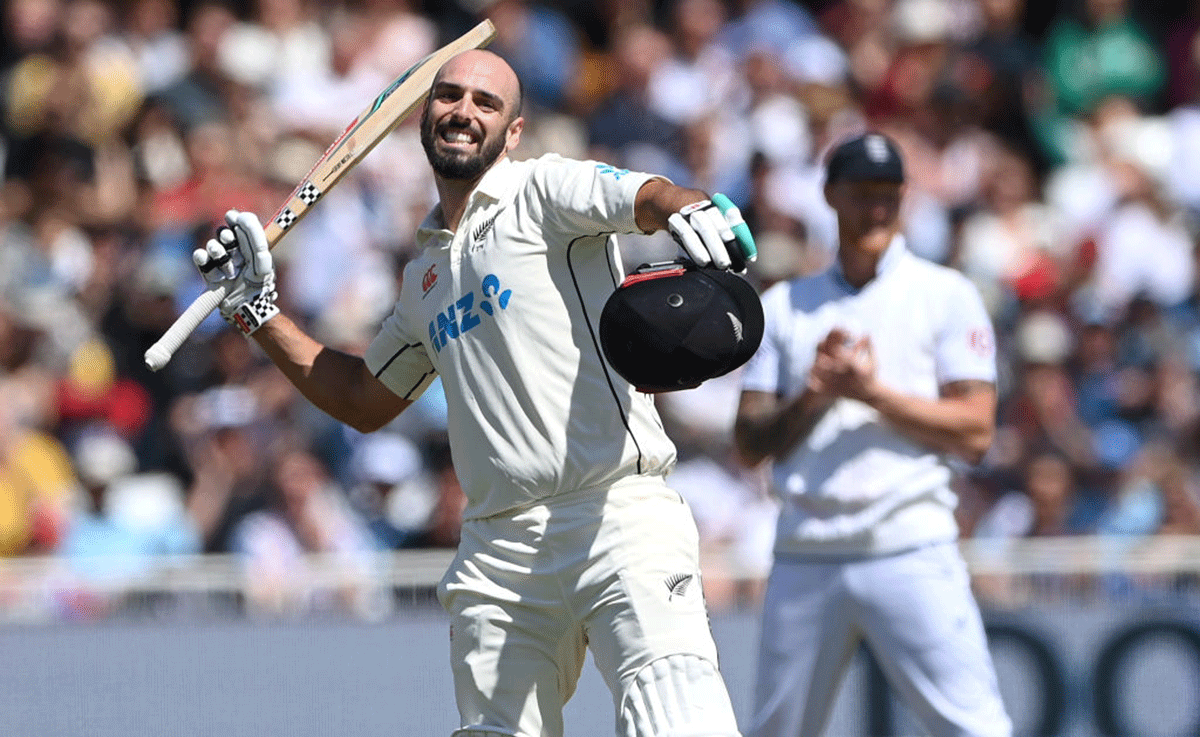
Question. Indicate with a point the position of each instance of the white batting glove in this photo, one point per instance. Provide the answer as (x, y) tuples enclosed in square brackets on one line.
[(239, 259), (706, 231)]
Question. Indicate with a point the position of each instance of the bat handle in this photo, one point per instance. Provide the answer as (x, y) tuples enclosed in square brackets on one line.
[(159, 353)]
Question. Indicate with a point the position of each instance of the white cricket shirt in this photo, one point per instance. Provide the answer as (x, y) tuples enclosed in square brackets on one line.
[(506, 309), (856, 486)]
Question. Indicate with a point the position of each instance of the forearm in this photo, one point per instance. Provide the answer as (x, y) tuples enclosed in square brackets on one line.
[(963, 425), (765, 429), (337, 383), (658, 199)]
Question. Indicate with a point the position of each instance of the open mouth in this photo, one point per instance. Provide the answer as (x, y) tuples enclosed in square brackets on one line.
[(460, 138)]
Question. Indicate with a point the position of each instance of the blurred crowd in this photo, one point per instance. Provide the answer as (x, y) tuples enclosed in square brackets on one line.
[(1053, 155)]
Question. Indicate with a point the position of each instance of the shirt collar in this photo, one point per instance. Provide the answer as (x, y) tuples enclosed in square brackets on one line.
[(492, 186), (495, 180), (894, 254)]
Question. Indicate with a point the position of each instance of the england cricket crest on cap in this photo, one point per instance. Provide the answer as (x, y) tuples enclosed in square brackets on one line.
[(868, 157), (876, 148)]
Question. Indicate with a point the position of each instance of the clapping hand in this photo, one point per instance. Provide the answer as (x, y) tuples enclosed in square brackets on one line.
[(844, 367)]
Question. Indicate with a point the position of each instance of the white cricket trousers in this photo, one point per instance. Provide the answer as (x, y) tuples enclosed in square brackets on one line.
[(916, 613), (614, 570)]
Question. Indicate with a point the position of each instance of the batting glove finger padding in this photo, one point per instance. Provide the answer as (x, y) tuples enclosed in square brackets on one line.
[(713, 233), (239, 259), (212, 257), (252, 242)]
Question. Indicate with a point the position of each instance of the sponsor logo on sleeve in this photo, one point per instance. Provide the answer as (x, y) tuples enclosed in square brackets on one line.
[(611, 171)]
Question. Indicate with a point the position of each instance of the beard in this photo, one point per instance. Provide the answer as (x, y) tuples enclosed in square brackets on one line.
[(456, 164)]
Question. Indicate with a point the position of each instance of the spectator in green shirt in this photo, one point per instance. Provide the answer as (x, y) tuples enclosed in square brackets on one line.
[(1102, 52)]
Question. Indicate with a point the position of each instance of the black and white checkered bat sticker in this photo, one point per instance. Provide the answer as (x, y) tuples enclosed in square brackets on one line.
[(308, 194)]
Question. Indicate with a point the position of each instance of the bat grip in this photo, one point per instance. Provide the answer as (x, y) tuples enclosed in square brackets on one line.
[(159, 353)]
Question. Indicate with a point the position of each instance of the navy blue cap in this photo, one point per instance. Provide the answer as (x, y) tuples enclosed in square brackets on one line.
[(869, 157)]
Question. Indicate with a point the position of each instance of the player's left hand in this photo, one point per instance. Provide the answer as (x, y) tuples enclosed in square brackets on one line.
[(844, 367), (713, 233)]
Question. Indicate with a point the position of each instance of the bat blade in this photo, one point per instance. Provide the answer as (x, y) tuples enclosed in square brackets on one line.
[(395, 103), (389, 108)]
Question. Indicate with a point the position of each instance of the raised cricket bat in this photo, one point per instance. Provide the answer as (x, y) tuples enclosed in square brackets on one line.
[(372, 125)]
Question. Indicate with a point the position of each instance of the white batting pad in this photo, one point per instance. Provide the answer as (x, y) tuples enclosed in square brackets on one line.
[(677, 696)]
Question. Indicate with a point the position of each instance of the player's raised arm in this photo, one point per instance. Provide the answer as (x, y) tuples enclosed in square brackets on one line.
[(339, 384)]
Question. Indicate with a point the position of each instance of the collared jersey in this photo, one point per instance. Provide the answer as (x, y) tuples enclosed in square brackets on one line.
[(506, 310), (855, 485)]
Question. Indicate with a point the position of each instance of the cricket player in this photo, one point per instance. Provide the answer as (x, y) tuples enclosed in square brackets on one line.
[(571, 538), (868, 375)]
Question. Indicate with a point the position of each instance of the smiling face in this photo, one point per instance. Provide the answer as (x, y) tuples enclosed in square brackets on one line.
[(868, 213), (472, 116)]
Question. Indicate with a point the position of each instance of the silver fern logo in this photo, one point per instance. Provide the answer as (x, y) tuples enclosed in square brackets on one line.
[(737, 326), (480, 231), (678, 584)]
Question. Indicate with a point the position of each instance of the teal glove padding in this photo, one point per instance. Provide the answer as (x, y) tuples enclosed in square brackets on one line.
[(713, 233), (741, 231)]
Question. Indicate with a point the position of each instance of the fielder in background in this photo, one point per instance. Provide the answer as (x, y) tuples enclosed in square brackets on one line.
[(868, 375), (571, 538)]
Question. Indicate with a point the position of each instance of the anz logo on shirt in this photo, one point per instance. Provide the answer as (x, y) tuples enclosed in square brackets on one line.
[(461, 317)]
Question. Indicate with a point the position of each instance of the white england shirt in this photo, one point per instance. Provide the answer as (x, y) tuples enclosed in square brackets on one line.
[(855, 485), (506, 310)]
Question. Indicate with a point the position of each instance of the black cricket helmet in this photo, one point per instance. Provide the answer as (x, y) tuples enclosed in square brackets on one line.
[(674, 325)]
